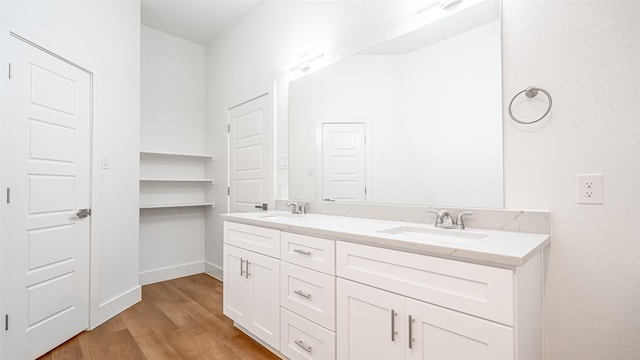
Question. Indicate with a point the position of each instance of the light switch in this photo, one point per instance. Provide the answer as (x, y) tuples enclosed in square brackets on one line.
[(283, 162), (106, 161)]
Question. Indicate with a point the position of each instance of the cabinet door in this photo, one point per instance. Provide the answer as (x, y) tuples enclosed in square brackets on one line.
[(366, 322), (237, 294), (264, 277), (441, 334)]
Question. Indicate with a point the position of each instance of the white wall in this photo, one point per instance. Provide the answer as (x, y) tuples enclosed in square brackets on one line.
[(172, 98), (103, 37), (172, 120), (586, 54)]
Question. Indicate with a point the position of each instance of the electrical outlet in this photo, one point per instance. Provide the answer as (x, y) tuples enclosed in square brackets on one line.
[(590, 189)]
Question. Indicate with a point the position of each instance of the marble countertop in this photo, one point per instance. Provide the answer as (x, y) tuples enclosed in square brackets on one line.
[(501, 248)]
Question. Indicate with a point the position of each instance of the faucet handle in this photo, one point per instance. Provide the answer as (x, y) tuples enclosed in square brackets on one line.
[(460, 220), (438, 216)]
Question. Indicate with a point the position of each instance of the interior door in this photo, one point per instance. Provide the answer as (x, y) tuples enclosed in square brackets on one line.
[(343, 162), (46, 172), (251, 155)]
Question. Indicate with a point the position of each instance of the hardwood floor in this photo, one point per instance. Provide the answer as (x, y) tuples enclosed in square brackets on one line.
[(176, 319)]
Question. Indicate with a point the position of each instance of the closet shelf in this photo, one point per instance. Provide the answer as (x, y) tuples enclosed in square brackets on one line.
[(165, 206), (177, 180), (204, 156)]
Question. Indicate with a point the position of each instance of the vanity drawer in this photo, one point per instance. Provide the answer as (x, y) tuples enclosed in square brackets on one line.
[(308, 251), (301, 339), (258, 239), (308, 293), (478, 290)]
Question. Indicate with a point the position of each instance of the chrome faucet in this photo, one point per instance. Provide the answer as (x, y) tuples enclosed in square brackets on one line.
[(444, 220), (297, 209)]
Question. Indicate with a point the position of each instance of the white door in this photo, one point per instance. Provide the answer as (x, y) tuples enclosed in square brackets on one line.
[(370, 323), (343, 162), (251, 155), (441, 334), (46, 166)]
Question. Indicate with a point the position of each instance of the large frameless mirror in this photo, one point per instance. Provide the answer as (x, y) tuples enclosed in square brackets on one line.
[(414, 120)]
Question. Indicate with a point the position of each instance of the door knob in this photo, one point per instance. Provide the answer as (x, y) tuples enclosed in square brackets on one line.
[(83, 213)]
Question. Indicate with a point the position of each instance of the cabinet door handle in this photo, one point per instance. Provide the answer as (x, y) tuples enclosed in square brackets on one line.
[(411, 339), (393, 325), (304, 346), (303, 294), (303, 252), (246, 271), (241, 267)]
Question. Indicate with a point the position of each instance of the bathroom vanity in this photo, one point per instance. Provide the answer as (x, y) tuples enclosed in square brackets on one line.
[(331, 287)]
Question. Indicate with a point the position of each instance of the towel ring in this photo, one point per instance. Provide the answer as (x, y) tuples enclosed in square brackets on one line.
[(530, 92)]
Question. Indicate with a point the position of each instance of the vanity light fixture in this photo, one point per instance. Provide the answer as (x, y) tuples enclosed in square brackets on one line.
[(305, 61), (444, 4)]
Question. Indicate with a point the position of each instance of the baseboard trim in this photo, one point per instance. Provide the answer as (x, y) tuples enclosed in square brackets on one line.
[(213, 270), (114, 306), (171, 272)]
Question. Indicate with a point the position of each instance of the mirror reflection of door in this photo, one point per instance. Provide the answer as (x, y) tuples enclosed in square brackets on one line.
[(343, 162)]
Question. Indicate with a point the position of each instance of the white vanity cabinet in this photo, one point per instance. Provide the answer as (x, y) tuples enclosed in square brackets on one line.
[(309, 297), (397, 305), (377, 324), (251, 294)]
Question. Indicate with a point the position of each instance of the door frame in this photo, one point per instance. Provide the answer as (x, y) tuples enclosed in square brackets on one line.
[(12, 29), (368, 151), (271, 97)]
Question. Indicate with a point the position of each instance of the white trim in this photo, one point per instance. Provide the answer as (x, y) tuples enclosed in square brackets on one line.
[(171, 272), (213, 270), (114, 306)]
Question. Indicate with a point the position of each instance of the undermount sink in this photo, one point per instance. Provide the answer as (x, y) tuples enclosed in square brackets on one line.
[(276, 216), (416, 233)]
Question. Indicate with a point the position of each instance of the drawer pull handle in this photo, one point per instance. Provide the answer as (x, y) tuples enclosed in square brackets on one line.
[(241, 267), (308, 253), (246, 271), (411, 339), (304, 346), (303, 294), (393, 325)]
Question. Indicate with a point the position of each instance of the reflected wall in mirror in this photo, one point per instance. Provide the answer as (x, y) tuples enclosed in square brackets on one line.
[(415, 120)]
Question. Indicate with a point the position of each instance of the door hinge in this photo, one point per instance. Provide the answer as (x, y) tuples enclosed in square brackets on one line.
[(365, 190), (365, 139), (8, 195), (228, 128), (6, 322), (228, 191), (9, 71)]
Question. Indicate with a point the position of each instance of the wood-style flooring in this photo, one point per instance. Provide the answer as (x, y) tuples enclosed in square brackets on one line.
[(176, 319)]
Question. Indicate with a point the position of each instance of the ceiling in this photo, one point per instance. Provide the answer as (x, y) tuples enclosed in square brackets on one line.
[(194, 20)]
